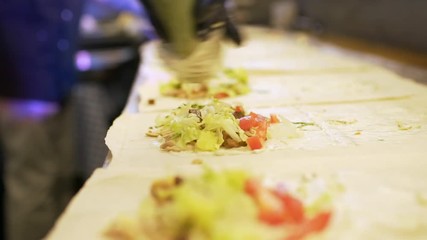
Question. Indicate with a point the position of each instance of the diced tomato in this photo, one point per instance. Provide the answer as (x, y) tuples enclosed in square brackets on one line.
[(261, 133), (316, 224), (260, 124), (257, 117), (274, 119), (239, 108), (280, 208), (252, 187), (261, 130), (271, 210), (319, 222), (254, 142), (294, 207), (252, 114), (256, 121), (246, 123), (221, 95)]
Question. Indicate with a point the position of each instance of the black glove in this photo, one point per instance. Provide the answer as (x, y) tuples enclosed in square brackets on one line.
[(212, 14), (208, 15)]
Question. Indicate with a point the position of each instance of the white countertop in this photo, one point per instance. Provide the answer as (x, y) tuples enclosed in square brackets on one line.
[(370, 133)]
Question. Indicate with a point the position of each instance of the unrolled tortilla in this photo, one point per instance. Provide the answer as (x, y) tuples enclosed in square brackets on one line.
[(383, 196), (311, 78), (322, 126), (364, 126)]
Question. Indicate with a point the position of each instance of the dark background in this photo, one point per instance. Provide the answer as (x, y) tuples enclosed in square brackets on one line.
[(398, 23)]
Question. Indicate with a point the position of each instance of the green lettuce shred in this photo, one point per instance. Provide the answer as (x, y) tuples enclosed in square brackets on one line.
[(204, 208), (200, 126), (232, 82)]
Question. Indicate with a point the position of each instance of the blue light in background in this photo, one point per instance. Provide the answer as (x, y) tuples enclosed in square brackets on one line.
[(67, 15), (83, 60), (30, 109)]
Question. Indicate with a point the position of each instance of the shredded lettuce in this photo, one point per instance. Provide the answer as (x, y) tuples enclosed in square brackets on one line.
[(204, 207), (232, 82), (172, 85), (214, 206), (208, 141), (200, 126), (239, 74), (236, 83)]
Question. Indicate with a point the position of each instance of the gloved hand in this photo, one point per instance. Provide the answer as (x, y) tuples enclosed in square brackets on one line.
[(211, 14), (191, 31)]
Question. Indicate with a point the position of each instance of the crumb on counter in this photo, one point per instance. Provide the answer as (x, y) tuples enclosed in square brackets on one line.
[(197, 162), (342, 122), (403, 126), (421, 199), (151, 101)]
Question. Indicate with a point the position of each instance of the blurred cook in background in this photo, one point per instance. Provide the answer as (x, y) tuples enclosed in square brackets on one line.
[(38, 42), (191, 32)]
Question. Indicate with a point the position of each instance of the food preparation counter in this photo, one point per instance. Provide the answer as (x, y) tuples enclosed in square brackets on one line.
[(361, 125)]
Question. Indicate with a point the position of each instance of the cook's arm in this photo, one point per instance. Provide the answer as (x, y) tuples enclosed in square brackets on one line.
[(190, 31)]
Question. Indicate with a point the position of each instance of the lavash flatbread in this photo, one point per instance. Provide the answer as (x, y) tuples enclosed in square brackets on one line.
[(329, 126), (285, 76), (376, 148), (381, 198)]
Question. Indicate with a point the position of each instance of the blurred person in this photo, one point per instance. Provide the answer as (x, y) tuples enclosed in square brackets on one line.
[(107, 60), (38, 40), (37, 44), (190, 33)]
